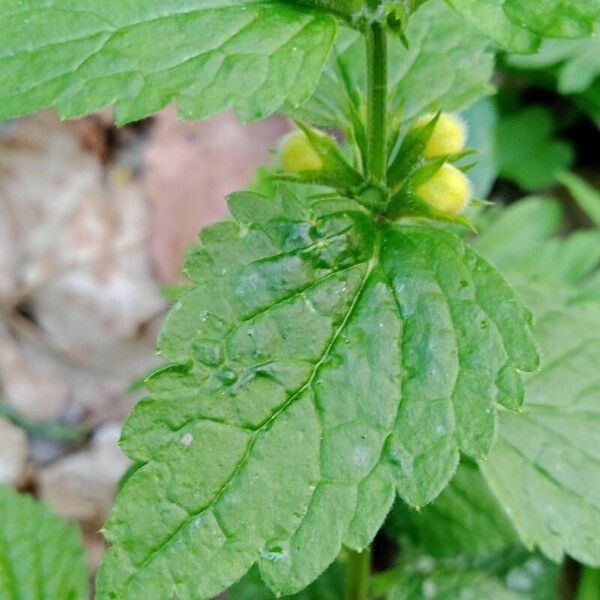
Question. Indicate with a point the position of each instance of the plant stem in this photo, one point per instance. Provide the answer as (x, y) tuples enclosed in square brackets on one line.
[(589, 584), (377, 103), (358, 571)]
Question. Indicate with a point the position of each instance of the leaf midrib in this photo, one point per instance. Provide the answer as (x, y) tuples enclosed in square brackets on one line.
[(264, 427)]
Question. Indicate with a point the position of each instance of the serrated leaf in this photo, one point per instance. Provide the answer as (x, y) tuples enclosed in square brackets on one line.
[(545, 467), (520, 25), (205, 56), (320, 361), (41, 556), (464, 520), (448, 65)]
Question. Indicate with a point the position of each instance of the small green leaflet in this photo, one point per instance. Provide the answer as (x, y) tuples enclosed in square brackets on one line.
[(545, 466), (520, 25), (448, 65), (41, 556), (321, 363), (81, 55)]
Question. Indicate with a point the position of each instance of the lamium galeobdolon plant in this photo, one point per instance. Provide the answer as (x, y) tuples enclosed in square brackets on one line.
[(340, 344)]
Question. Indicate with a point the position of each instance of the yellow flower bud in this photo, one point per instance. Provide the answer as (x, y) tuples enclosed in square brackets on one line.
[(449, 190), (449, 135), (298, 154)]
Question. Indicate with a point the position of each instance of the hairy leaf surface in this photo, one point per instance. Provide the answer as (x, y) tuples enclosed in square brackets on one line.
[(321, 363), (41, 556), (81, 55)]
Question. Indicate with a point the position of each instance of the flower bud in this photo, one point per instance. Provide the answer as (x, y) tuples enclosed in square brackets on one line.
[(448, 190), (298, 154), (449, 135)]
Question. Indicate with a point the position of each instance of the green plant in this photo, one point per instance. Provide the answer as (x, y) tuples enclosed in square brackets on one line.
[(41, 556), (342, 343)]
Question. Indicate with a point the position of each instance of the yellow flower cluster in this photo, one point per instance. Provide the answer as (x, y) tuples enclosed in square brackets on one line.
[(449, 189)]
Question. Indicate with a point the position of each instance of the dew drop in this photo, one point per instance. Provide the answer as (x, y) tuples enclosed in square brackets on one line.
[(274, 554), (187, 439)]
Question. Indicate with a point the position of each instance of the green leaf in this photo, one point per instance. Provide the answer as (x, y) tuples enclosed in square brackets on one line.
[(589, 584), (449, 584), (517, 232), (321, 362), (522, 242), (448, 65), (589, 102), (329, 586), (481, 120), (41, 556), (464, 520), (512, 573), (532, 576), (545, 467), (526, 150), (577, 62), (206, 56), (520, 25)]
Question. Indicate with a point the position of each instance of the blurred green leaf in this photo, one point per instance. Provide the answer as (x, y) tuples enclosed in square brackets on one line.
[(527, 151), (481, 119), (41, 556), (464, 520), (515, 233), (577, 62)]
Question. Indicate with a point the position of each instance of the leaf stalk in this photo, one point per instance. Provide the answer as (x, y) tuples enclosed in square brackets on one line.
[(358, 573)]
